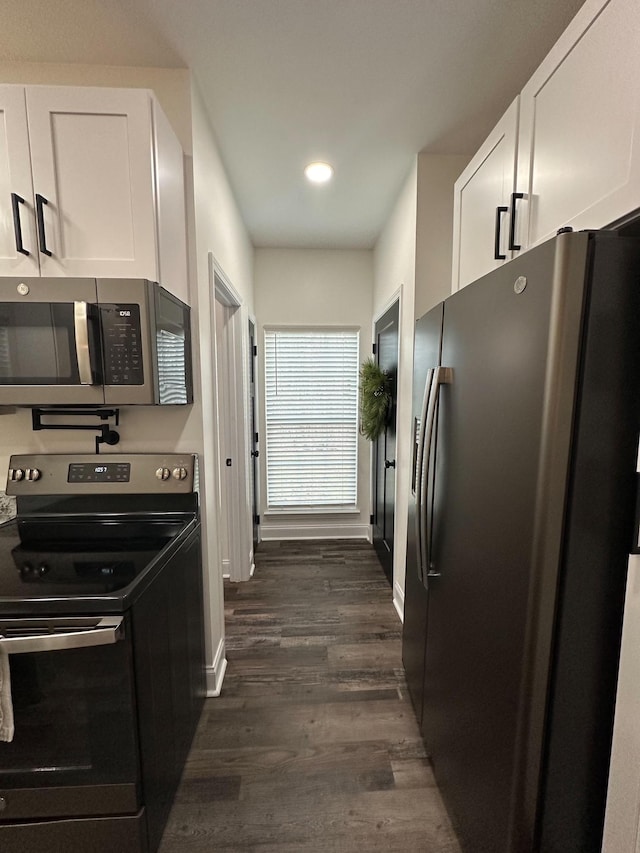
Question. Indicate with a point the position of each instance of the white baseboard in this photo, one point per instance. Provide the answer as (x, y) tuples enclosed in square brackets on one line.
[(398, 600), (215, 672), (314, 531)]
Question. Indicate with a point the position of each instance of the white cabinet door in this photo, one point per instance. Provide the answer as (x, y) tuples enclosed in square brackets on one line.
[(93, 179), (482, 201), (18, 246), (579, 136)]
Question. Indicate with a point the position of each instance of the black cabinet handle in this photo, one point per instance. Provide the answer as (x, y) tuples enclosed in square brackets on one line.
[(42, 237), (16, 201), (496, 247), (512, 224)]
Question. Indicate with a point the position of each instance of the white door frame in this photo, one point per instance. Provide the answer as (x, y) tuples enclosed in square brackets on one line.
[(232, 383), (256, 391)]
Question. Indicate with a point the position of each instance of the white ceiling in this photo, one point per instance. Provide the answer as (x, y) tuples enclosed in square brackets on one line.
[(364, 84)]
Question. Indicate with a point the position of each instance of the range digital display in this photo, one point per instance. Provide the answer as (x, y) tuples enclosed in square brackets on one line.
[(104, 472)]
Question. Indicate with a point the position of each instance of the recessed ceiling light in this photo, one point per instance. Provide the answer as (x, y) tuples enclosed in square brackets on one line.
[(319, 173)]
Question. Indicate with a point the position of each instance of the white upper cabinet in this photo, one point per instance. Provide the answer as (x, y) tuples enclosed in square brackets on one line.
[(482, 207), (578, 145), (579, 136), (102, 181), (18, 242)]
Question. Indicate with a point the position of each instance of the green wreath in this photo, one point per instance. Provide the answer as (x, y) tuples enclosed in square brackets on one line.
[(375, 399)]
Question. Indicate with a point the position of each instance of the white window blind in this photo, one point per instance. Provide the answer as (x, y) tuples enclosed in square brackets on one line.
[(311, 388)]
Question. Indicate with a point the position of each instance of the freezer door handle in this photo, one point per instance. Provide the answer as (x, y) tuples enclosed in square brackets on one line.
[(419, 478), (20, 636), (441, 376)]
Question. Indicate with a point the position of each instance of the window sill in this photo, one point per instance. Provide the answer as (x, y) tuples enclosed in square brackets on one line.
[(313, 510)]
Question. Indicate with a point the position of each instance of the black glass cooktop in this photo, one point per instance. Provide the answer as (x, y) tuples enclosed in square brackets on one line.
[(67, 559)]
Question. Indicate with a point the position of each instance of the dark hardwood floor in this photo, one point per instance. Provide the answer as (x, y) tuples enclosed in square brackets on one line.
[(312, 746)]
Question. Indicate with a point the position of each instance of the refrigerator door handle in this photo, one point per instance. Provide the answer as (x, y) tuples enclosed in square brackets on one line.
[(419, 477), (441, 376)]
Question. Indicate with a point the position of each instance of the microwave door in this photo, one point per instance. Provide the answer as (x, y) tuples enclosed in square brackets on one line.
[(48, 348), (172, 349)]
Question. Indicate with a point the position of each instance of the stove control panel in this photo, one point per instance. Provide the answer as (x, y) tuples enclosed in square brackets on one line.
[(133, 473)]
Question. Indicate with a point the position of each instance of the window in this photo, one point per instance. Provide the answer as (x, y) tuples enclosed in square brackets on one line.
[(311, 407)]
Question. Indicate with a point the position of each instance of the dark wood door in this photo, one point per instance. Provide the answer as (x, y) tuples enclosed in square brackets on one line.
[(384, 449)]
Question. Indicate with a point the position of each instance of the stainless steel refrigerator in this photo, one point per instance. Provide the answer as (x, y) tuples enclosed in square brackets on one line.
[(526, 418)]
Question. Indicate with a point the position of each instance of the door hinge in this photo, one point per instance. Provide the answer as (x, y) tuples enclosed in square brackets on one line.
[(371, 519), (256, 438), (373, 348), (256, 519), (255, 350)]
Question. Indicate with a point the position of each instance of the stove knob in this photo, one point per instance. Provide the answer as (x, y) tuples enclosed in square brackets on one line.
[(163, 473), (33, 474), (3, 804), (42, 569), (180, 473), (16, 474)]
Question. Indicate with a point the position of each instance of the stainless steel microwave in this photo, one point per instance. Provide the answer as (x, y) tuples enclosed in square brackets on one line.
[(72, 341)]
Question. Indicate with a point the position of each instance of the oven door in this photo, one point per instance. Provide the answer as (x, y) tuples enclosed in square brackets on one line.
[(74, 749), (49, 351)]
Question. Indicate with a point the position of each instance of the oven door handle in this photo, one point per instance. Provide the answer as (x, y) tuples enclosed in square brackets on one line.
[(55, 635)]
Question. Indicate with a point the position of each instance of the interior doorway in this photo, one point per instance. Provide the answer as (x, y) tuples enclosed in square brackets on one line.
[(384, 448), (230, 326)]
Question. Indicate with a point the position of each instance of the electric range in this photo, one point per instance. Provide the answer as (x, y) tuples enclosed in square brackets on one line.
[(101, 625)]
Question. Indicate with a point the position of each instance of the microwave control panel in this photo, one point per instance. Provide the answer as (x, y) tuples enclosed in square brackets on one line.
[(122, 342)]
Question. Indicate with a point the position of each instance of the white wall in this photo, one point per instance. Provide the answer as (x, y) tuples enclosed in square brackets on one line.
[(622, 823), (216, 229), (413, 256), (393, 270), (308, 287), (437, 174)]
